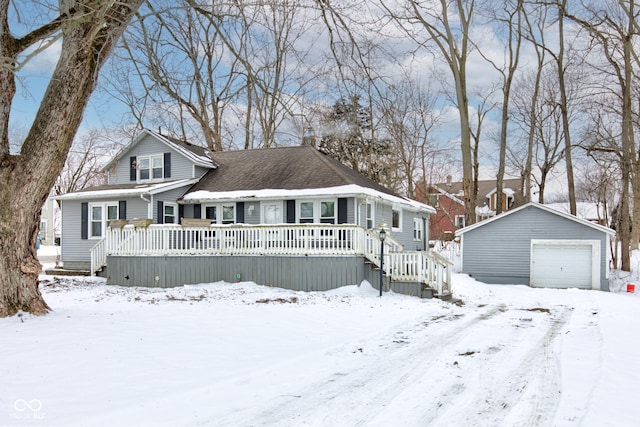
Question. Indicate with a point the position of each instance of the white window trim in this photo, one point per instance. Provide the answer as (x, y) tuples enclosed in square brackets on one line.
[(175, 213), (150, 158), (317, 209), (105, 222), (219, 211), (399, 210), (43, 235), (263, 208), (373, 215), (418, 225), (235, 213), (464, 222)]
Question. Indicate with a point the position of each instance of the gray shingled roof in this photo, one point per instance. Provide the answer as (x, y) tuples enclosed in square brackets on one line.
[(287, 168), (196, 149)]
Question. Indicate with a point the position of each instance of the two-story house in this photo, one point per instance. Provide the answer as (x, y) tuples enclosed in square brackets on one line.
[(175, 213), (447, 199)]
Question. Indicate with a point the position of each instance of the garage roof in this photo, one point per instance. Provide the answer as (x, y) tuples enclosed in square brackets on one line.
[(544, 208)]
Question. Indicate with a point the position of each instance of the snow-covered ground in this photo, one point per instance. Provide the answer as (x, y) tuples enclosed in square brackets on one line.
[(240, 354)]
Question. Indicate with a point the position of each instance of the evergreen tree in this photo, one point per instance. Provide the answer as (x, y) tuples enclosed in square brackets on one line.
[(349, 137)]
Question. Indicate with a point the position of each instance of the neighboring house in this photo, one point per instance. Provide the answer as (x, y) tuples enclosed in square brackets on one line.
[(538, 246), (49, 222), (447, 199), (590, 211), (282, 213)]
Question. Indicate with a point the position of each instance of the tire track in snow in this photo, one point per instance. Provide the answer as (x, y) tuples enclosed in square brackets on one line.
[(518, 388), (365, 392)]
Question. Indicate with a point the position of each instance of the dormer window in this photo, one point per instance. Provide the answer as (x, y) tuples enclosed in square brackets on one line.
[(151, 167)]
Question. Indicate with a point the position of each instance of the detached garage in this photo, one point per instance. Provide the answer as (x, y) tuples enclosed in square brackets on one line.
[(537, 246)]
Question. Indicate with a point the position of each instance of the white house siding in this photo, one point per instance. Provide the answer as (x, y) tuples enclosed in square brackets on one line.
[(500, 251), (181, 167)]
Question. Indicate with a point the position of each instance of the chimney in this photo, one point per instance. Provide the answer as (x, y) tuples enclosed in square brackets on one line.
[(309, 137), (449, 183)]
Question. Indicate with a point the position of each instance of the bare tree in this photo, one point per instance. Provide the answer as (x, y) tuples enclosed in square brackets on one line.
[(84, 164), (549, 133), (447, 25), (230, 72), (613, 29), (560, 61), (88, 31), (185, 75), (409, 117), (535, 22), (510, 16)]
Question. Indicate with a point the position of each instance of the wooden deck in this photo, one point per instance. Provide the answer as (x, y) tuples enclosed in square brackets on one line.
[(146, 246)]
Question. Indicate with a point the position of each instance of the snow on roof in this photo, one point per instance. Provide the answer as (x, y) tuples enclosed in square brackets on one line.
[(344, 190), (128, 190), (585, 210)]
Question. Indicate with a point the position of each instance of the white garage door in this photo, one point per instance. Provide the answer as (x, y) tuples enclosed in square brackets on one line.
[(565, 264)]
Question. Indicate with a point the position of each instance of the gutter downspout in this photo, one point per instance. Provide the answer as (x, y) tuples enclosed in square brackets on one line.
[(425, 233), (149, 212)]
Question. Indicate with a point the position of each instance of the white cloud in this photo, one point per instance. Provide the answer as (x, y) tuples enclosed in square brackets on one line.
[(42, 63)]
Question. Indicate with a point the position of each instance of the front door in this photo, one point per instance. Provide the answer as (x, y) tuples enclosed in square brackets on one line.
[(272, 212)]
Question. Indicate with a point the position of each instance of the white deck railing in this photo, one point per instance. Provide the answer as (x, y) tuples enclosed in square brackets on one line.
[(291, 239)]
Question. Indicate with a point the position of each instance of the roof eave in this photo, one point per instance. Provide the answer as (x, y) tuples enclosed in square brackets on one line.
[(598, 227)]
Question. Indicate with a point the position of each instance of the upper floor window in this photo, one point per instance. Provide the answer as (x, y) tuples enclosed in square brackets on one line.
[(460, 221), (151, 167), (433, 199)]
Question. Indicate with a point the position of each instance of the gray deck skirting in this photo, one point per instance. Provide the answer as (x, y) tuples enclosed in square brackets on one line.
[(303, 273)]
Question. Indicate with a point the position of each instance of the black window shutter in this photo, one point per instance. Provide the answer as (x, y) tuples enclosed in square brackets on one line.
[(122, 209), (291, 211), (84, 221), (133, 174), (167, 165), (160, 212), (197, 210), (342, 210), (180, 213), (240, 212)]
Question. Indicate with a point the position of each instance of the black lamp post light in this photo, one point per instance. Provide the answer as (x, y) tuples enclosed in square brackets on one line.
[(383, 235)]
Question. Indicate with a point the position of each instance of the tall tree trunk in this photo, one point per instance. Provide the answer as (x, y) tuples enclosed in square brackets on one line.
[(28, 177), (565, 112), (533, 118)]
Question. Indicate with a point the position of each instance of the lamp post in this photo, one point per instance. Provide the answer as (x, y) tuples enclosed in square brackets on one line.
[(382, 235)]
